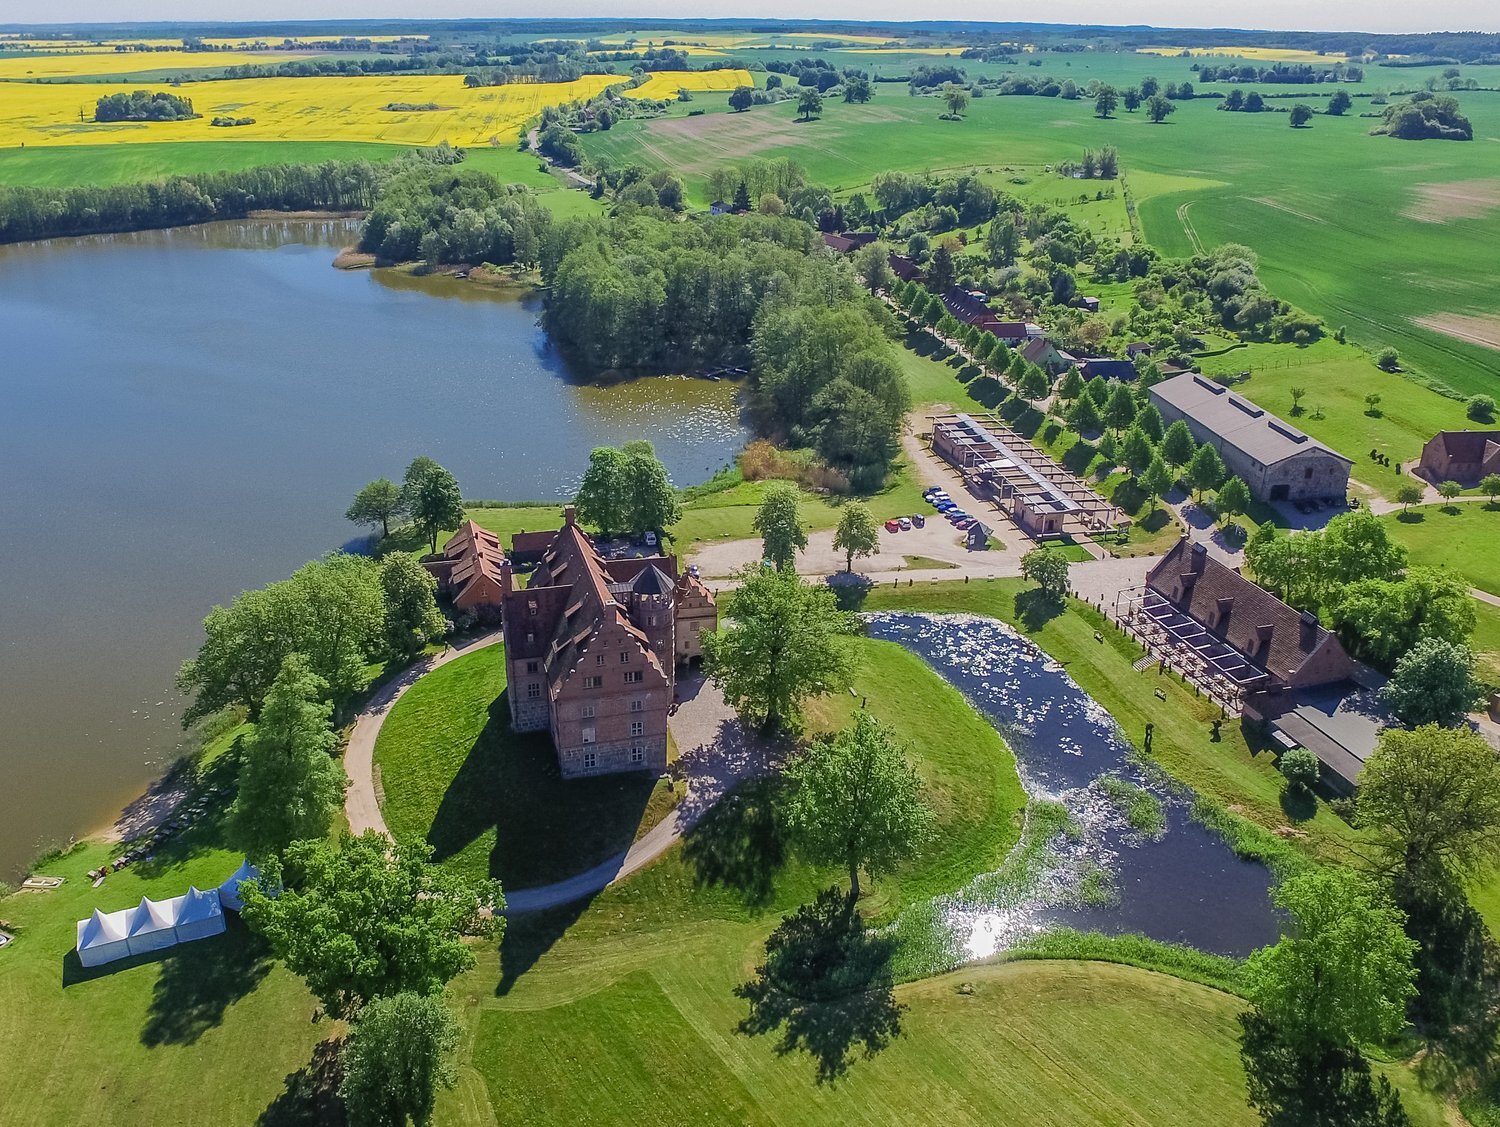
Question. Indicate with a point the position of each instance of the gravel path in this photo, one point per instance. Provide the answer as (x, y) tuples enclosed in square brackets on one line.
[(714, 754), (360, 804)]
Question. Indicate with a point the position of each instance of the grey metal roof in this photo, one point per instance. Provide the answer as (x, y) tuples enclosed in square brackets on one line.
[(1236, 421), (1341, 724)]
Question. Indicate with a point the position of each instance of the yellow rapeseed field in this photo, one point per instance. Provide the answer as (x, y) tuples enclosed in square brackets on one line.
[(320, 109), (88, 63), (1260, 54)]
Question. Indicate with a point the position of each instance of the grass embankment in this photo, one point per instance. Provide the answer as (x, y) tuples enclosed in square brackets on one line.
[(1235, 771), (490, 801)]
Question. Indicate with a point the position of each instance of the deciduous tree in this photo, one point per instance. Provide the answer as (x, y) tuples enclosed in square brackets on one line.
[(741, 98), (855, 801), (1156, 482), (1339, 103), (956, 98), (779, 523), (1119, 411), (1048, 569), (412, 617), (872, 262), (857, 533), (1178, 446), (377, 503), (1136, 452), (603, 498), (1159, 109), (1341, 976), (653, 504), (1433, 683), (1409, 493), (432, 498), (1300, 115), (332, 611), (397, 1059), (1206, 470), (290, 785), (1431, 797), (370, 918), (1105, 101), (809, 102), (1233, 498), (786, 641)]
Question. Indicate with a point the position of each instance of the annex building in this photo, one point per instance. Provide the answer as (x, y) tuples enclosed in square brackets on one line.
[(1275, 459), (592, 648), (1463, 456)]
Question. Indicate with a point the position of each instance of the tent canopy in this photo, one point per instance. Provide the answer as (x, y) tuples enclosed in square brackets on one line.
[(229, 891)]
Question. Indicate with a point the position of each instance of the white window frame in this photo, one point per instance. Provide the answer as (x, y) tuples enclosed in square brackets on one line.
[(637, 727), (589, 735)]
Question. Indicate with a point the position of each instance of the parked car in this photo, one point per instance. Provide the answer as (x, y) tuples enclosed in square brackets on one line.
[(930, 493), (905, 523), (893, 525), (939, 496), (946, 507), (918, 520), (957, 515), (963, 524)]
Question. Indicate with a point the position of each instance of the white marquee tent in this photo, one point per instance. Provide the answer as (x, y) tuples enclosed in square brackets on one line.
[(199, 914), (229, 891), (152, 925), (101, 938)]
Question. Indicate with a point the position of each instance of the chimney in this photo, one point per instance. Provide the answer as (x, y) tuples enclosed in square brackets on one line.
[(570, 515), (1199, 554)]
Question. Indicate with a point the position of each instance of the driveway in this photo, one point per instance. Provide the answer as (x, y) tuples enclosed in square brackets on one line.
[(714, 753)]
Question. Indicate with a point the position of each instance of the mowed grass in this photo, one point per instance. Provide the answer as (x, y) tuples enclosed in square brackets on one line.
[(1464, 536), (1336, 237), (1337, 378), (203, 1032), (491, 802), (1042, 1043)]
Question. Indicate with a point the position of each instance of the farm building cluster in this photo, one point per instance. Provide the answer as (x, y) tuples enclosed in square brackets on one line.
[(1259, 657), (592, 644)]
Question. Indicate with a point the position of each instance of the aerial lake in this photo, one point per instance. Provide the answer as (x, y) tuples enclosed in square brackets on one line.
[(187, 413)]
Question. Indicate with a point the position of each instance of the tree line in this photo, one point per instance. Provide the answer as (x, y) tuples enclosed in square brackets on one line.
[(86, 209), (641, 294)]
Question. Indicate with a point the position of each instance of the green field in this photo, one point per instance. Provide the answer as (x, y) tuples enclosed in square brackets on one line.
[(1463, 536), (1336, 239)]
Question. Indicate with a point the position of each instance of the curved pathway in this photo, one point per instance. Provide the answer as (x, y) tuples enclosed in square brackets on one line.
[(361, 806), (714, 754)]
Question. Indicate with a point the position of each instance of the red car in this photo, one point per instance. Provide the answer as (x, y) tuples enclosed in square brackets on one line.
[(893, 526)]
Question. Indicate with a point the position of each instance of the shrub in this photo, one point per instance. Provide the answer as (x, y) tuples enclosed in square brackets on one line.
[(1300, 768), (1387, 359), (1480, 408)]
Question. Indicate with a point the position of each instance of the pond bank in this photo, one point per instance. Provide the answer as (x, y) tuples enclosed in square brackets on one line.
[(1110, 845)]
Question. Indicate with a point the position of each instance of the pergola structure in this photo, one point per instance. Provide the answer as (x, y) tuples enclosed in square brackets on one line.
[(1186, 645), (999, 463)]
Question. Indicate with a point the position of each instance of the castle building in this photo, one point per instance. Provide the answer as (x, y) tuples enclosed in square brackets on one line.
[(592, 646)]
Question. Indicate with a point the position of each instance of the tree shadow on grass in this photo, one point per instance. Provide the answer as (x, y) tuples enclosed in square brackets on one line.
[(200, 980), (1298, 803), (826, 984), (1333, 1088), (531, 935), (545, 827), (309, 1097), (740, 843), (1035, 608), (1411, 516)]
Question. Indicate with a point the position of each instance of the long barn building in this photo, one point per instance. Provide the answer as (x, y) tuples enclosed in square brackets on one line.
[(1275, 459)]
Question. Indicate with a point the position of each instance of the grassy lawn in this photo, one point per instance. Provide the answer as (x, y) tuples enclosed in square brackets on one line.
[(970, 774), (1462, 536), (204, 1032), (492, 802), (1337, 379), (1235, 771), (1051, 1043)]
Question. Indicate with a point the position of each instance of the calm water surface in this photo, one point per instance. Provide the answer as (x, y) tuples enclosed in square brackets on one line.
[(1185, 886), (185, 414)]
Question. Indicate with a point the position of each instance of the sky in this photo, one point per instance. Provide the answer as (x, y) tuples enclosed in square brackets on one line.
[(1321, 15)]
